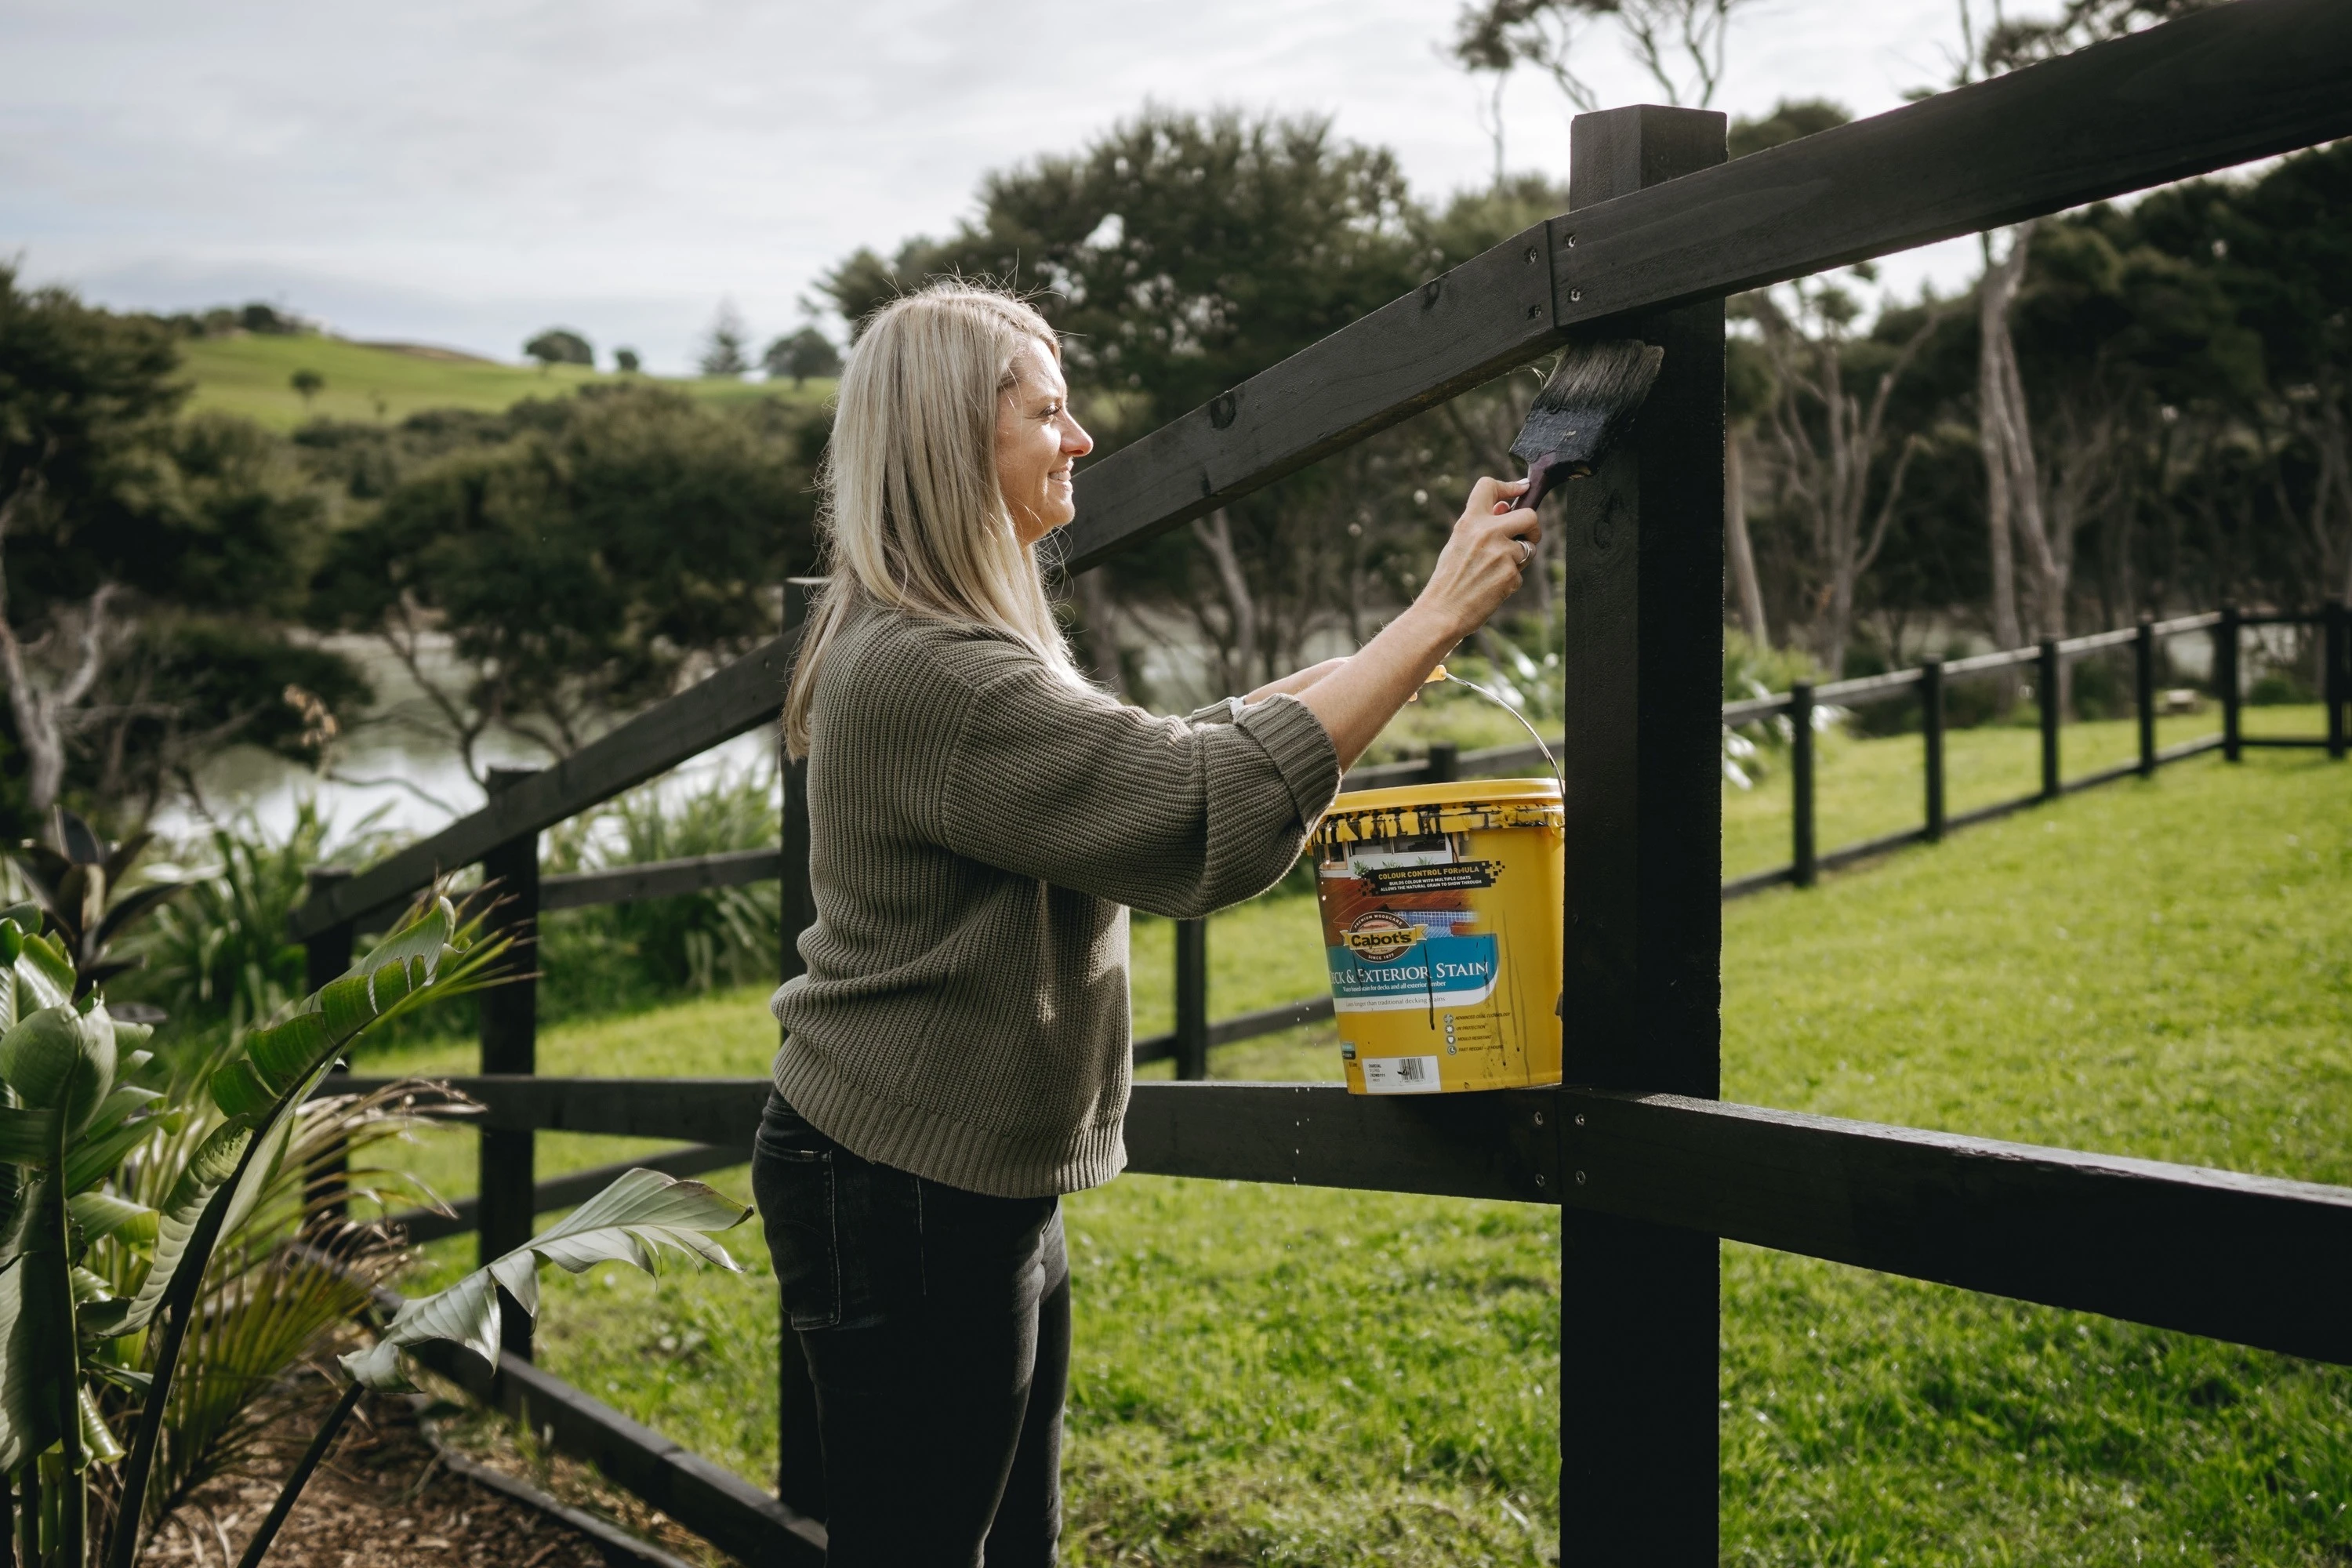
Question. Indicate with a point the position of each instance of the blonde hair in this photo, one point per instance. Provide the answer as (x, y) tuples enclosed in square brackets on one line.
[(912, 515)]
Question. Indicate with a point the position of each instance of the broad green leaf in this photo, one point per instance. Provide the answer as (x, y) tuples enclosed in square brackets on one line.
[(44, 977), (90, 1285), (212, 1164), (61, 1056), (285, 1053), (101, 1214), (24, 1135), (129, 1379), (633, 1221), (98, 1444), (92, 1159), (118, 1107), (35, 1348), (238, 1090)]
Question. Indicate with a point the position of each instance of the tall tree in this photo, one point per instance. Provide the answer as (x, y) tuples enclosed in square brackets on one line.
[(804, 353), (560, 346), (1829, 432), (608, 550), (725, 346), (1681, 44), (2016, 507), (1180, 254)]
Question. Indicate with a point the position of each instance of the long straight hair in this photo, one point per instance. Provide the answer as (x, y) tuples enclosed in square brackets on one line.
[(911, 513)]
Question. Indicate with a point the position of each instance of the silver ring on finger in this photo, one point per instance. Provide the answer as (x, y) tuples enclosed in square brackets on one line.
[(1527, 553)]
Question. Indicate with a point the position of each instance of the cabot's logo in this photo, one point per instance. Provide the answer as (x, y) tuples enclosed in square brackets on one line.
[(1378, 936)]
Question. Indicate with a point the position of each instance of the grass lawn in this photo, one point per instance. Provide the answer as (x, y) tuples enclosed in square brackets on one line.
[(252, 376), (1296, 1376)]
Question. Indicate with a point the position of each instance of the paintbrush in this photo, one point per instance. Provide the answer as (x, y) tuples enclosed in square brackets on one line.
[(1583, 412)]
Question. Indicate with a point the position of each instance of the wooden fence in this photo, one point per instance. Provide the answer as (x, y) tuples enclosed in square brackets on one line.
[(1649, 1167)]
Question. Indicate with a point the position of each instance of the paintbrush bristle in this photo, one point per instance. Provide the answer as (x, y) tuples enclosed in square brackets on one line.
[(1587, 405)]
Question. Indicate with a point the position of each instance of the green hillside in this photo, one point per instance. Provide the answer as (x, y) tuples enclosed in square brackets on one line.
[(253, 375)]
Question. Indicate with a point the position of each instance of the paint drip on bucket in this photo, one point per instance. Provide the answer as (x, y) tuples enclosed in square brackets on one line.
[(1441, 910)]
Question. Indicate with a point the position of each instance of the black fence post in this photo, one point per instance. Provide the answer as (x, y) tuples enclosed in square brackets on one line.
[(1643, 673), (325, 957), (1931, 736), (2335, 672), (1804, 871), (510, 1035), (1443, 764), (800, 1454), (2226, 637), (2144, 693), (1193, 1000), (2046, 679)]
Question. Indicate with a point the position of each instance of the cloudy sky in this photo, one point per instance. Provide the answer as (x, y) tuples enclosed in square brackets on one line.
[(465, 171)]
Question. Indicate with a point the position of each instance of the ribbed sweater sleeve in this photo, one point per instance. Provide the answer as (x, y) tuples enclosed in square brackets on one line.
[(1175, 817), (979, 823)]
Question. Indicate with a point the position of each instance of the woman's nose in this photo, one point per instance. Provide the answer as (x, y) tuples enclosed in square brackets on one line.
[(1075, 439)]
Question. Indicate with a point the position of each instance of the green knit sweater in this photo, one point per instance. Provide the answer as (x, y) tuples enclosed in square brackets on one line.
[(979, 826)]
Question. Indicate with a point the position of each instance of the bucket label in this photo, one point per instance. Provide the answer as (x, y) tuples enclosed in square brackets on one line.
[(1434, 972), (1400, 1075), (1440, 934), (1387, 881)]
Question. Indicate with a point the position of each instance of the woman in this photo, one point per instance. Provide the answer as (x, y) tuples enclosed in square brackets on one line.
[(981, 819)]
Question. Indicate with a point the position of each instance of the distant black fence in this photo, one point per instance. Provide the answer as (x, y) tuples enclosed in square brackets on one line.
[(1650, 1168)]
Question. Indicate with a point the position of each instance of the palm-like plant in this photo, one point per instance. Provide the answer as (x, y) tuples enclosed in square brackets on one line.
[(165, 1253), (77, 878), (77, 1099)]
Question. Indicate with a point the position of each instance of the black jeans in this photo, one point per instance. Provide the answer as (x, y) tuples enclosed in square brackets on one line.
[(936, 1323)]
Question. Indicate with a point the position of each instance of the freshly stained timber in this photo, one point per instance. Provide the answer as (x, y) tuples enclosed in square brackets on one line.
[(741, 697), (2202, 92), (2248, 1258), (1498, 1145)]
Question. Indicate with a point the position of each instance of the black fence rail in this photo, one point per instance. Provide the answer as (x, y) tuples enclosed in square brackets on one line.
[(1649, 1168)]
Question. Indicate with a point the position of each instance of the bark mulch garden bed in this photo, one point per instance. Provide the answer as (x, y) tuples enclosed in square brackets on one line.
[(389, 1496)]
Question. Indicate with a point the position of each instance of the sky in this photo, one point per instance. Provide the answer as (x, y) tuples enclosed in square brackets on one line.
[(465, 173)]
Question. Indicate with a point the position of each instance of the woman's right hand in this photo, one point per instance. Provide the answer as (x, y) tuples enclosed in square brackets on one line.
[(1485, 559), (1480, 567)]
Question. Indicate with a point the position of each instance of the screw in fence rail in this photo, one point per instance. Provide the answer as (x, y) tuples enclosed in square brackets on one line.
[(1642, 670), (2047, 679), (509, 1040), (2144, 693), (1193, 1000), (326, 955), (1931, 735), (2226, 637), (800, 1456), (1804, 867)]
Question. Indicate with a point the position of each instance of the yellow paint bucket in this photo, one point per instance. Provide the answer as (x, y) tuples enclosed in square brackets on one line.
[(1440, 925)]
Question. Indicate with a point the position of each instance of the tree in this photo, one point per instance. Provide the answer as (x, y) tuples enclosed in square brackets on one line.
[(722, 353), (1179, 255), (560, 346), (1680, 43), (307, 384), (605, 550), (1828, 430), (806, 353), (2014, 502), (625, 361)]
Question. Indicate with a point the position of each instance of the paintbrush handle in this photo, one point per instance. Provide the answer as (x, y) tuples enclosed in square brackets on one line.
[(1547, 474)]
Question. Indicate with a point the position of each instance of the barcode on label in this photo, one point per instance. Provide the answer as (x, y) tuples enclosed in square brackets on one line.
[(1400, 1075)]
